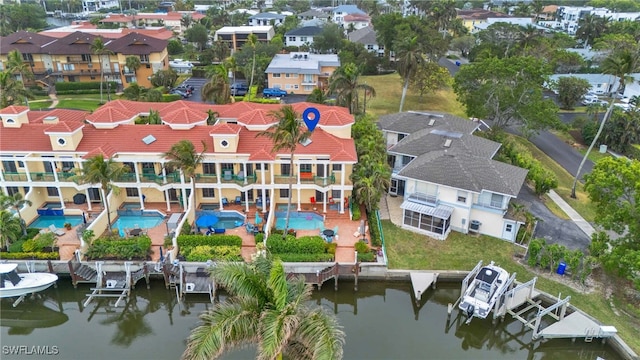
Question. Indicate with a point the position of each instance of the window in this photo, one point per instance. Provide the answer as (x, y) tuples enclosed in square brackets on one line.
[(369, 47), (284, 193), (277, 86), (62, 141), (68, 67), (292, 38), (308, 87), (247, 195), (496, 200), (224, 143), (86, 57), (285, 169), (148, 168), (295, 87), (287, 86), (144, 58), (305, 168), (67, 165), (52, 191), (131, 79), (401, 136), (132, 192), (27, 57), (226, 166), (303, 38), (276, 75), (12, 190), (208, 193), (259, 167), (287, 75), (462, 196), (336, 167), (335, 194), (209, 168), (509, 228)]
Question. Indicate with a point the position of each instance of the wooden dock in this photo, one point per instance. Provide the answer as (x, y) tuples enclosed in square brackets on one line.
[(421, 281), (577, 325), (334, 271)]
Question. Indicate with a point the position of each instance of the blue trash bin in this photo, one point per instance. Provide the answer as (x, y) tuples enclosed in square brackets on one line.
[(458, 63), (561, 268)]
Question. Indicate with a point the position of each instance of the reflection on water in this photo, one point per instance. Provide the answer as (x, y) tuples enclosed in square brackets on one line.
[(381, 320)]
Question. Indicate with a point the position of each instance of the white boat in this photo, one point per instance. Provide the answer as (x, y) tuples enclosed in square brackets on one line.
[(13, 284), (179, 63), (484, 290)]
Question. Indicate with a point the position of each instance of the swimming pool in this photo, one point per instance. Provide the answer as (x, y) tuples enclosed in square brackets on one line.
[(43, 221), (130, 206), (51, 205), (148, 219), (226, 219), (299, 220)]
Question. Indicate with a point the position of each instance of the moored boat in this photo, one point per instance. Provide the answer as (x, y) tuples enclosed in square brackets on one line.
[(484, 290), (13, 284)]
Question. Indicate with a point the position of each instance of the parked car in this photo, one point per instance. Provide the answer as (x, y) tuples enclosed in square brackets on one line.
[(184, 94), (590, 99), (239, 89), (188, 87), (269, 92)]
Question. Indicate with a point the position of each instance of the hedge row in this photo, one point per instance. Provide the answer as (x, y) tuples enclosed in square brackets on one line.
[(30, 255), (543, 179), (367, 257), (212, 240), (84, 92), (373, 229), (204, 253), (291, 245), (62, 86), (125, 249), (170, 97), (305, 257)]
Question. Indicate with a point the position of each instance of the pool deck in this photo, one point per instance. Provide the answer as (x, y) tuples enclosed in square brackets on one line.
[(346, 228)]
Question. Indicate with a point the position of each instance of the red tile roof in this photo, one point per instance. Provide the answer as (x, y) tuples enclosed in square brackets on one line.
[(262, 154), (159, 16), (105, 150), (256, 117), (225, 129), (36, 117), (86, 27), (184, 116), (111, 115), (13, 110), (64, 127), (357, 17)]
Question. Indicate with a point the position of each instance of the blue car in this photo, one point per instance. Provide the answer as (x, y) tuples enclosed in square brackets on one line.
[(269, 92)]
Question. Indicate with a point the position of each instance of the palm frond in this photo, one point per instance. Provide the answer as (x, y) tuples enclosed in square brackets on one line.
[(321, 333), (277, 326), (241, 280)]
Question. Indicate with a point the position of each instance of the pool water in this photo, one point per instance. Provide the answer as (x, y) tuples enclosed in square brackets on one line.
[(147, 221), (130, 206), (43, 221), (51, 205), (299, 220), (227, 219)]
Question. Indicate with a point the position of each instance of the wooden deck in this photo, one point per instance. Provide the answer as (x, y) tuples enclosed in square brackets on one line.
[(576, 325)]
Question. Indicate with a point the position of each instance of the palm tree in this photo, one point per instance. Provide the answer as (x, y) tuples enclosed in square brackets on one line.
[(9, 228), (286, 135), (344, 83), (265, 309), (212, 117), (186, 21), (98, 48), (591, 27), (97, 170), (133, 64), (11, 90), (217, 88), (409, 57), (252, 41), (369, 183), (16, 202), (183, 156), (619, 64), (443, 12), (15, 64)]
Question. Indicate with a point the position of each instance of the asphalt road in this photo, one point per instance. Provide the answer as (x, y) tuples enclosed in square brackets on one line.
[(563, 153), (197, 84)]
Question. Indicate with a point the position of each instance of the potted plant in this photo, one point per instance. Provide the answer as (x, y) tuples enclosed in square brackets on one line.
[(67, 226)]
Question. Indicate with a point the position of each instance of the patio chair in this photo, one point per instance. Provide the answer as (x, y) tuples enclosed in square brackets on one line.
[(335, 231), (136, 226), (322, 228), (251, 229), (56, 231), (238, 200), (225, 201)]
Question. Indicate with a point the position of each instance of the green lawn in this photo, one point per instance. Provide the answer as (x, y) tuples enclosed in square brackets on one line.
[(79, 104), (37, 105), (581, 204), (389, 91), (407, 250), (595, 153)]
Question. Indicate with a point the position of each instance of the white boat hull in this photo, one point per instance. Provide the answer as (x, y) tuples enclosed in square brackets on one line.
[(30, 283), (480, 297)]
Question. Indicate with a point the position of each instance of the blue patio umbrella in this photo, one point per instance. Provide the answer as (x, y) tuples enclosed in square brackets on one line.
[(207, 221)]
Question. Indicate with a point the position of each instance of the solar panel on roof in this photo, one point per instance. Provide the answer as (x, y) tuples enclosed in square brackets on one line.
[(148, 139)]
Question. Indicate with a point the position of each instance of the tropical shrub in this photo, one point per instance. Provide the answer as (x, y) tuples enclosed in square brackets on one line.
[(535, 248), (291, 245), (212, 240), (305, 257), (120, 249), (331, 247), (39, 243), (356, 212), (203, 253), (30, 255), (361, 247), (374, 230), (367, 257)]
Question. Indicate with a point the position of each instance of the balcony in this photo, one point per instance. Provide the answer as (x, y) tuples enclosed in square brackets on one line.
[(285, 179), (78, 59), (311, 178), (150, 177), (207, 178), (238, 179), (15, 176), (42, 176), (425, 199), (128, 177)]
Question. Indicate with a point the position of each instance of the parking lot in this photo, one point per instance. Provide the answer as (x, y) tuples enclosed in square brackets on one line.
[(197, 84)]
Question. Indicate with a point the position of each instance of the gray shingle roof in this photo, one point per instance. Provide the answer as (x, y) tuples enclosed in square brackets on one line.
[(267, 16), (314, 13), (425, 141), (305, 31), (410, 122), (464, 171), (366, 36)]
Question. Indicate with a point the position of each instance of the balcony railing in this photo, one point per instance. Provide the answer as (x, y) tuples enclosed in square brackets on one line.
[(42, 176), (15, 176), (497, 205), (128, 177), (238, 179), (207, 178), (285, 179)]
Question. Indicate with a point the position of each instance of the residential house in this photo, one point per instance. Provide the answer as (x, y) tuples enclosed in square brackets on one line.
[(313, 15), (367, 36), (356, 21), (302, 36), (569, 16), (447, 177), (601, 84), (236, 36), (41, 152), (520, 21), (171, 20), (339, 12), (159, 32), (96, 5), (632, 88), (301, 72), (548, 13), (70, 58), (265, 19), (472, 17)]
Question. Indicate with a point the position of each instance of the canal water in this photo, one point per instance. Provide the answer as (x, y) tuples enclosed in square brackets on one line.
[(381, 321)]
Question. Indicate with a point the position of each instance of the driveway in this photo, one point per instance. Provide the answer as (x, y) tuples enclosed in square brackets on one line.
[(197, 84), (563, 153), (553, 229)]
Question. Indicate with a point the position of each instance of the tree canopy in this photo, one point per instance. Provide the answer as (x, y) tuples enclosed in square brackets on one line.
[(570, 90), (18, 17), (507, 91), (197, 34)]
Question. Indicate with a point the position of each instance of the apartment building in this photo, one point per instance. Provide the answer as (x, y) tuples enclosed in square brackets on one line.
[(171, 20), (96, 5), (70, 58), (301, 72), (302, 36), (237, 36), (42, 151)]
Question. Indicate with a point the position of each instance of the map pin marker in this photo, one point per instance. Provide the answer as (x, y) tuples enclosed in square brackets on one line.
[(311, 117)]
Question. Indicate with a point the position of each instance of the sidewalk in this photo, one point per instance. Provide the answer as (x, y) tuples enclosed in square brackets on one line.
[(54, 100), (573, 215)]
